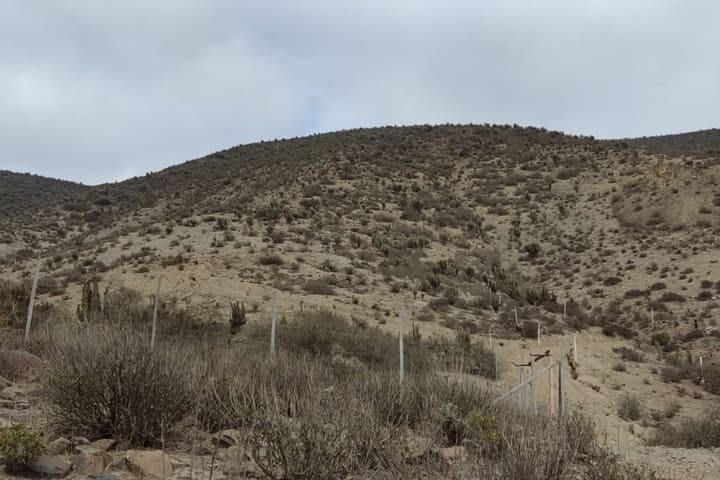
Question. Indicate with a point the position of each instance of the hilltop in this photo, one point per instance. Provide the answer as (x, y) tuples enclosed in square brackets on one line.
[(472, 228)]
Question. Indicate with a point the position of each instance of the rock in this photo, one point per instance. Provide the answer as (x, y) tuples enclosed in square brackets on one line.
[(20, 366), (50, 466), (451, 455), (80, 441), (226, 438), (149, 465), (104, 444), (91, 461), (10, 393), (4, 382), (245, 469), (104, 476), (59, 446)]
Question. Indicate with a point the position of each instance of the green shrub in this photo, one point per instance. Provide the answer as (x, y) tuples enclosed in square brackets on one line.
[(660, 338), (19, 446)]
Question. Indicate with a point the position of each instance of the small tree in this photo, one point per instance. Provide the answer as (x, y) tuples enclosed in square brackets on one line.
[(238, 317)]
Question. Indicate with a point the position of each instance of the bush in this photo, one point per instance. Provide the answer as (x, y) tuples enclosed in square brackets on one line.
[(270, 259), (629, 408), (701, 432), (19, 446), (630, 354), (105, 382), (319, 287), (660, 338)]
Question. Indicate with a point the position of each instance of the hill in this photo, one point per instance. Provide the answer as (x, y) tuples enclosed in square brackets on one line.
[(470, 228), (702, 143)]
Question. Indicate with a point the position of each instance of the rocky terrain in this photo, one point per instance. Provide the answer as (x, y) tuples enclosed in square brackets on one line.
[(477, 228)]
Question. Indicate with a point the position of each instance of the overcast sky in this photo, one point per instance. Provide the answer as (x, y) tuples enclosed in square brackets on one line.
[(96, 91)]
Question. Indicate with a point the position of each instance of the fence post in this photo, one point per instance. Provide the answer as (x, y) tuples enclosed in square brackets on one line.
[(31, 307), (550, 387), (575, 352), (532, 383), (402, 355), (561, 379), (272, 325), (155, 312)]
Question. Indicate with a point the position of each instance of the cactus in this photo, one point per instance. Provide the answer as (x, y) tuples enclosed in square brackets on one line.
[(90, 305), (238, 316)]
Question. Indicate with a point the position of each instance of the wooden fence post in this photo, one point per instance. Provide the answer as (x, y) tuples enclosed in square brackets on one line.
[(272, 325), (155, 313), (31, 307), (402, 354), (561, 380)]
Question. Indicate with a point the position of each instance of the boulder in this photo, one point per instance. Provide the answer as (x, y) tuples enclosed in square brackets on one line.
[(226, 438), (49, 466), (451, 455), (149, 464), (4, 382), (104, 476), (20, 366), (104, 444), (12, 393), (91, 461), (58, 446)]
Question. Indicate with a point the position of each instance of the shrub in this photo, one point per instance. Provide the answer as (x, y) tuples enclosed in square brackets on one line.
[(105, 382), (660, 338), (19, 446), (619, 367), (629, 407), (238, 317), (703, 432), (270, 259), (629, 354), (319, 287), (671, 297)]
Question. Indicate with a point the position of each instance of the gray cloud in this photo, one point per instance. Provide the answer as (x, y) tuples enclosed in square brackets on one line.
[(99, 91)]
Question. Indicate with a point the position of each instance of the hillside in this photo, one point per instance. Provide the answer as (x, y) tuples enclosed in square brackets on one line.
[(703, 143), (476, 228), (22, 194)]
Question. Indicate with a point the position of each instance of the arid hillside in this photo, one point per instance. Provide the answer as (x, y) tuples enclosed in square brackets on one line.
[(472, 228)]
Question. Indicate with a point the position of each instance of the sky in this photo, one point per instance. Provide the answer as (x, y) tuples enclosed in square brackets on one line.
[(99, 91)]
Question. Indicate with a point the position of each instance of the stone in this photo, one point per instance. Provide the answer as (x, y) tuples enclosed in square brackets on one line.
[(50, 466), (104, 476), (245, 469), (104, 444), (58, 446), (4, 382), (451, 455), (20, 366), (80, 441), (149, 464), (10, 393), (91, 461), (226, 438)]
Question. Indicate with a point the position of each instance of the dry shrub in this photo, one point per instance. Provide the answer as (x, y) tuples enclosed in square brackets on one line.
[(107, 382), (701, 432)]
